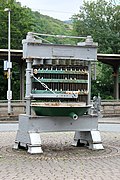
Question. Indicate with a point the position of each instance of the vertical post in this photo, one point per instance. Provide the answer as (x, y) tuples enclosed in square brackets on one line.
[(116, 83), (9, 65), (9, 73), (89, 82), (28, 86), (94, 70), (22, 75)]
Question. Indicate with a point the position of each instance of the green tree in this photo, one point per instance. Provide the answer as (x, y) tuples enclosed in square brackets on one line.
[(23, 20), (101, 20)]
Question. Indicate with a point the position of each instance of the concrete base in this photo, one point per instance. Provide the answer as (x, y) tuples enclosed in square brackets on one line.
[(85, 127), (91, 139)]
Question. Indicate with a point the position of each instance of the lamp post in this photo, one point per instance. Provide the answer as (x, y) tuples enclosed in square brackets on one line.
[(9, 65)]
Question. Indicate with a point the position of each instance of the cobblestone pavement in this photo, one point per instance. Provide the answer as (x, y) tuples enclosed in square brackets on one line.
[(60, 161)]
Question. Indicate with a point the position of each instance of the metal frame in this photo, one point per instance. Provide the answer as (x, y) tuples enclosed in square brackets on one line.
[(85, 127), (30, 127)]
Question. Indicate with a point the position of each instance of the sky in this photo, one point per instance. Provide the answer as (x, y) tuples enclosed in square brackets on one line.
[(58, 9)]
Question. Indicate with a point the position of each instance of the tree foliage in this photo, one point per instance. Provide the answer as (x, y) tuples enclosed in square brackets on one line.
[(101, 20), (98, 18), (23, 20)]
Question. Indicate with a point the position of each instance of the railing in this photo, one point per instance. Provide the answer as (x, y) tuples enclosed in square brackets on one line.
[(110, 108), (17, 107)]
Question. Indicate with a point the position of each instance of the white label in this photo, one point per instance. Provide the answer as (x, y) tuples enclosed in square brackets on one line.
[(9, 65), (9, 95), (5, 65)]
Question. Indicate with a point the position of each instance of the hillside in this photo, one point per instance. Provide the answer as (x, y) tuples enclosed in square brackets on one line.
[(23, 20)]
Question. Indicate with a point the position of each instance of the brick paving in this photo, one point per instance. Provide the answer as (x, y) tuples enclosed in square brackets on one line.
[(60, 161)]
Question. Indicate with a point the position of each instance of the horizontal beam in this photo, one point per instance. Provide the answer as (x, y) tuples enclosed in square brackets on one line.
[(16, 55)]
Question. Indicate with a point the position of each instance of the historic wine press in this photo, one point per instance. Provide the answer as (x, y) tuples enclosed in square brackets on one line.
[(58, 79)]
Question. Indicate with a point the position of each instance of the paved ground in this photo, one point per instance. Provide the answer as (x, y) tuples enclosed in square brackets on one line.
[(60, 160)]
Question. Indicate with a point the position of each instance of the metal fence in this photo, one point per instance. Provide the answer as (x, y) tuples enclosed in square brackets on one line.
[(17, 107)]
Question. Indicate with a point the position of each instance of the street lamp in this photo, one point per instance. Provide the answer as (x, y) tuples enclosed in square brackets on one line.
[(9, 65)]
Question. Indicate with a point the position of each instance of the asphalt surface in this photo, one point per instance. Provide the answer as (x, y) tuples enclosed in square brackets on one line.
[(60, 160)]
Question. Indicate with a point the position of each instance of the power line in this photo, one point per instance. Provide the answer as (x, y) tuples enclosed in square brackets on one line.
[(54, 11)]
